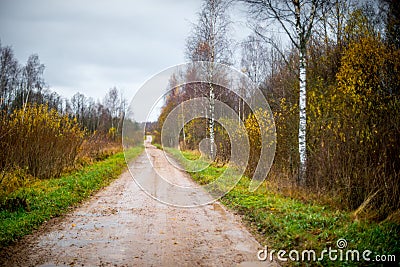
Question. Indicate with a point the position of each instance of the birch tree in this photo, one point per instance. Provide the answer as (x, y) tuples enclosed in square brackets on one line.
[(9, 76), (32, 79), (254, 59), (209, 42), (296, 18)]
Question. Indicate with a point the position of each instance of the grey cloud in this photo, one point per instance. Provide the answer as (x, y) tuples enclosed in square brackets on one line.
[(97, 44)]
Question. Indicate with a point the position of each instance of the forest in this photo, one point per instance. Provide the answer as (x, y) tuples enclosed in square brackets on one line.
[(42, 134), (333, 88)]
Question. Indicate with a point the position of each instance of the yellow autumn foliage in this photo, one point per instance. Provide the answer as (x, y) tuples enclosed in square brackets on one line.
[(353, 126), (39, 141)]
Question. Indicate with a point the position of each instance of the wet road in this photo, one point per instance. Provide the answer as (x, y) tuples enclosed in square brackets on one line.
[(122, 226)]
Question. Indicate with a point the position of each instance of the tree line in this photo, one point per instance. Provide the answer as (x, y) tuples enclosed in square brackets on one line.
[(333, 88), (21, 85), (43, 134)]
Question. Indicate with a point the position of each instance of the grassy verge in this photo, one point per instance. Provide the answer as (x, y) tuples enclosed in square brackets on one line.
[(290, 224), (45, 199)]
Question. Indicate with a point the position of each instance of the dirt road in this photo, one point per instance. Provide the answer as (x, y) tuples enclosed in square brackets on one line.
[(122, 226)]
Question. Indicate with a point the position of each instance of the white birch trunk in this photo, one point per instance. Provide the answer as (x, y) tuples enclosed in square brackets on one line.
[(183, 125), (212, 120), (239, 107), (302, 116), (211, 70)]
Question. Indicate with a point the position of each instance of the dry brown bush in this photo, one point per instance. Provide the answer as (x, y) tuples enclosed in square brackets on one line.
[(39, 141)]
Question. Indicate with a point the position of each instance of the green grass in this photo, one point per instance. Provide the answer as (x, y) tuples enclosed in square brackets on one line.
[(53, 197), (286, 223), (158, 146)]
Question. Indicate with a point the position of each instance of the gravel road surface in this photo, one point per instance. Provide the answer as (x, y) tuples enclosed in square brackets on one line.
[(123, 226)]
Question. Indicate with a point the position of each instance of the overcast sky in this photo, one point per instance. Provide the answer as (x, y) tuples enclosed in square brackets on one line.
[(91, 46)]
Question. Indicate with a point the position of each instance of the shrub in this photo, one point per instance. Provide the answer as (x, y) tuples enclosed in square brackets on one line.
[(39, 141)]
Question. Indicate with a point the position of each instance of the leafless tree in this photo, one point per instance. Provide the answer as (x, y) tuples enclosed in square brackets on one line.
[(254, 58), (123, 103), (32, 78), (392, 27), (78, 102), (296, 18), (9, 76), (115, 103), (112, 102), (209, 42)]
